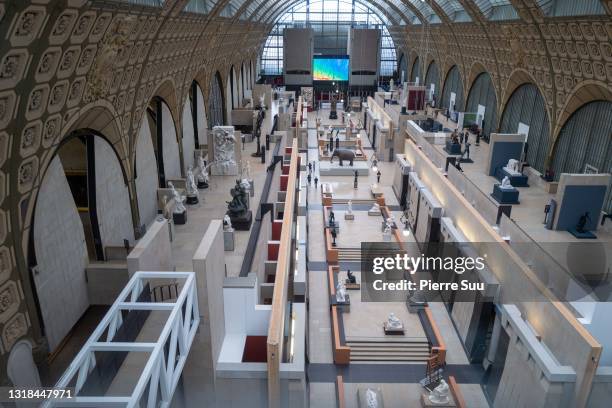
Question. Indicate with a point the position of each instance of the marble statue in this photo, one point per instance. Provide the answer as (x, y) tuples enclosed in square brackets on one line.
[(202, 173), (375, 210), (440, 394), (340, 292), (513, 166), (227, 223), (179, 207), (262, 102), (506, 183), (191, 186), (350, 207), (393, 322), (223, 151), (371, 398)]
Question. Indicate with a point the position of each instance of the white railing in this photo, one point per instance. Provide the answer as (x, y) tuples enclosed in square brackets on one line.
[(158, 379)]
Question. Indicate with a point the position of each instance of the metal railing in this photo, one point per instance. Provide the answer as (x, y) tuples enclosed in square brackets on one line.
[(159, 377)]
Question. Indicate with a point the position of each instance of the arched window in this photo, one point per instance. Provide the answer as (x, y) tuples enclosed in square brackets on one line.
[(482, 94), (331, 21), (453, 84), (215, 102)]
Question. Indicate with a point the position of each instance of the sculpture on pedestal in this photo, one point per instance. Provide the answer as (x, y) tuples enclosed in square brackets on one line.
[(227, 223), (202, 173), (350, 278), (371, 398), (375, 210), (238, 209), (191, 187), (506, 183), (393, 322), (343, 154), (582, 221), (340, 293), (513, 166), (440, 394), (223, 151), (179, 207), (333, 113), (355, 182)]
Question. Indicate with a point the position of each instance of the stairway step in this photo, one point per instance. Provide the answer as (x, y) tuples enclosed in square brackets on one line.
[(387, 353), (392, 358), (389, 347)]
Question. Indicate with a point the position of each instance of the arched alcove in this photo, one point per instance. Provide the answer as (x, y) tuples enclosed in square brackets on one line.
[(432, 78), (146, 174), (453, 84), (216, 104), (526, 107), (415, 72), (165, 141), (584, 142), (403, 68), (482, 97)]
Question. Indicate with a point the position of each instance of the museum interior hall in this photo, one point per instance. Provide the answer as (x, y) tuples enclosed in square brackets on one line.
[(306, 203)]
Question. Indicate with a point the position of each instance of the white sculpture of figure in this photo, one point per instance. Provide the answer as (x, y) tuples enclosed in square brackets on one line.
[(350, 207), (190, 185), (224, 154), (371, 398), (203, 172), (179, 207), (439, 395), (262, 102), (393, 322), (375, 210), (513, 166), (227, 223), (340, 292), (506, 183)]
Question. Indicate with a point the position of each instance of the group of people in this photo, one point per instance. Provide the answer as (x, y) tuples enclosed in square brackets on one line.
[(311, 168)]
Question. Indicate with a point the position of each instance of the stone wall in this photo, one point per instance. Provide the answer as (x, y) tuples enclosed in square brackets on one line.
[(61, 255), (146, 175)]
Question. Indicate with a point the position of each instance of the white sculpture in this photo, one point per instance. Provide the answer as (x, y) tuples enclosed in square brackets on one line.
[(262, 102), (506, 183), (371, 398), (439, 395), (513, 166), (393, 322), (375, 210), (224, 154), (350, 207), (340, 292), (203, 172), (227, 224), (190, 185), (179, 207)]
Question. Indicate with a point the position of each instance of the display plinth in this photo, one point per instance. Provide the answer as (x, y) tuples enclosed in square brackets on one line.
[(452, 148), (179, 218), (393, 331), (351, 286), (343, 306), (505, 195), (333, 115), (426, 403), (192, 199), (228, 240), (582, 235), (349, 216), (242, 223), (202, 185), (516, 179)]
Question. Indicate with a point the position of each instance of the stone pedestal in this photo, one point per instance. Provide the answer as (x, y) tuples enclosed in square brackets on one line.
[(426, 403), (348, 216), (192, 199), (505, 195), (179, 218), (202, 185), (393, 331), (228, 240), (343, 306), (242, 223)]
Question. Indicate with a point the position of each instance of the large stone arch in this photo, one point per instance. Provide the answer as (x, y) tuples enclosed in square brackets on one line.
[(473, 73), (585, 92)]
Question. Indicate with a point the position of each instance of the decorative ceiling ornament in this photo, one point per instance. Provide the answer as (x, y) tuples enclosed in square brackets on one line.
[(101, 75)]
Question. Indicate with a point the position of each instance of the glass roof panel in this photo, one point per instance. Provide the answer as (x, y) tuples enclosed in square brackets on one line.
[(496, 10), (566, 8), (231, 8), (199, 6), (454, 10)]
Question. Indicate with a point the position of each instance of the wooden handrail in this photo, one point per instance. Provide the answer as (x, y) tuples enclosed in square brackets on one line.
[(340, 398), (456, 392), (276, 328)]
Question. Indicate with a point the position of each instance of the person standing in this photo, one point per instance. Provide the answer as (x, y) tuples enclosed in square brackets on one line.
[(309, 178), (316, 179)]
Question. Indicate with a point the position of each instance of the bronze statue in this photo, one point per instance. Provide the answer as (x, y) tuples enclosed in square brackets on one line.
[(239, 205)]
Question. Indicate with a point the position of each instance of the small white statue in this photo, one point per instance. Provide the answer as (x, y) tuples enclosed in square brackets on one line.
[(506, 183), (375, 210), (191, 186), (227, 224), (203, 172), (371, 398), (439, 395), (393, 322), (350, 207), (262, 102), (513, 165), (179, 207), (340, 292)]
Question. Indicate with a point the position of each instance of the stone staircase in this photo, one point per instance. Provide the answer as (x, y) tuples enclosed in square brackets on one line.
[(349, 254), (389, 349), (354, 201)]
